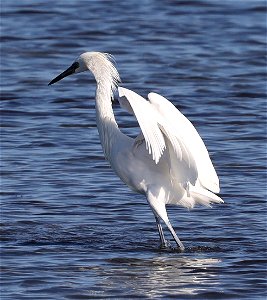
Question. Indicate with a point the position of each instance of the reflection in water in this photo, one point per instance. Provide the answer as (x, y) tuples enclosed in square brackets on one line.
[(157, 276)]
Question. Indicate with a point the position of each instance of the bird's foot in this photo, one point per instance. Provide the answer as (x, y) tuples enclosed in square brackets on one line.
[(179, 249), (165, 245)]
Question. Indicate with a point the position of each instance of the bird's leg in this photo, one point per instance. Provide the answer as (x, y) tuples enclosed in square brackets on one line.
[(158, 207), (163, 241), (177, 240)]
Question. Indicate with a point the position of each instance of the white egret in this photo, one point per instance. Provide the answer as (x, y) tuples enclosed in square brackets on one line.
[(167, 162)]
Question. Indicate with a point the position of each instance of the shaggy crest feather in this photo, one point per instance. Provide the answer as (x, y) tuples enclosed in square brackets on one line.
[(103, 68)]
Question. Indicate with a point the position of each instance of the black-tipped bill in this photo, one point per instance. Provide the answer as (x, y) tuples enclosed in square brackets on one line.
[(66, 73)]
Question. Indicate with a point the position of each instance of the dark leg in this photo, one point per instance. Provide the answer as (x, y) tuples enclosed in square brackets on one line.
[(177, 240), (164, 243)]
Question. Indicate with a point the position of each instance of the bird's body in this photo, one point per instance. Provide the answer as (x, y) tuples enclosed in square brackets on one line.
[(168, 161)]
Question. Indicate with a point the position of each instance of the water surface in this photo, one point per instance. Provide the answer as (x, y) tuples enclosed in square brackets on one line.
[(69, 228)]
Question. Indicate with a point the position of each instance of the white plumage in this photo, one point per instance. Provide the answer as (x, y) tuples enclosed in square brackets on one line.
[(168, 161)]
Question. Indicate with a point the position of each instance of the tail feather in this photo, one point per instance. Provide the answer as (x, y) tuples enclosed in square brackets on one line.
[(203, 196), (198, 195)]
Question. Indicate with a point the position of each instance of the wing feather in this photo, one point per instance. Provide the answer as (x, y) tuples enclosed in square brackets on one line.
[(159, 134), (147, 119), (190, 138)]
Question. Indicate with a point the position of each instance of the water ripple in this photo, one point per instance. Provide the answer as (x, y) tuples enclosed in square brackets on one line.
[(69, 228)]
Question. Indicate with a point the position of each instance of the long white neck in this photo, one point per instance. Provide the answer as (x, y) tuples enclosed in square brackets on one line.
[(107, 78), (107, 126)]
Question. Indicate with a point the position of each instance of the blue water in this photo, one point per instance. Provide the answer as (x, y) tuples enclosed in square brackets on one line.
[(69, 228)]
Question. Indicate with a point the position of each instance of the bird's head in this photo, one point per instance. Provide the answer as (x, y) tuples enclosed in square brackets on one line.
[(100, 64)]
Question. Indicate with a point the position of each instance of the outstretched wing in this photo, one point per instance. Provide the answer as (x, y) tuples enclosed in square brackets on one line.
[(147, 119), (159, 134), (191, 139)]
